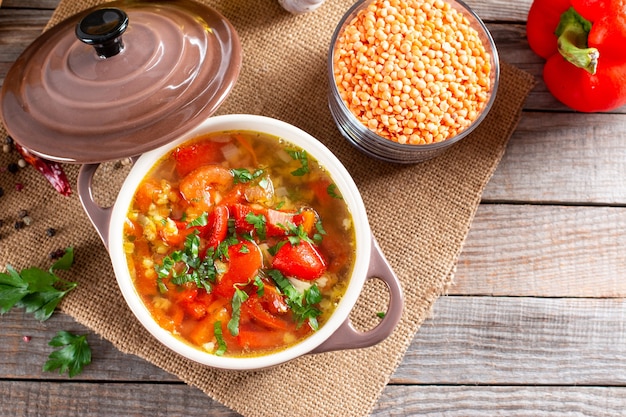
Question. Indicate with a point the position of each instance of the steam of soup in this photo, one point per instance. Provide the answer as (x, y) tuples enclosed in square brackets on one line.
[(239, 243)]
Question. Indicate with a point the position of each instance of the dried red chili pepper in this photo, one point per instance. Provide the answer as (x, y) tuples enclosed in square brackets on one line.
[(53, 171), (583, 44)]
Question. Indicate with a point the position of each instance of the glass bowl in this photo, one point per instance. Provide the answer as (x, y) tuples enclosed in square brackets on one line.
[(418, 43)]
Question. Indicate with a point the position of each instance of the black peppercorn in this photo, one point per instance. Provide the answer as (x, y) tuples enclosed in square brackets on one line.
[(19, 225), (23, 213), (13, 168), (56, 254), (51, 231), (1, 191)]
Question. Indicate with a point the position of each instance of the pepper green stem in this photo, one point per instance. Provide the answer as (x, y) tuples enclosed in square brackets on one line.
[(572, 33)]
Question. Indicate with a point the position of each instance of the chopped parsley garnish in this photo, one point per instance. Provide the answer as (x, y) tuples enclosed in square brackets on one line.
[(243, 175), (296, 234), (221, 344), (201, 220), (185, 265), (238, 299), (302, 157), (317, 237), (302, 304), (332, 191), (259, 223), (260, 286)]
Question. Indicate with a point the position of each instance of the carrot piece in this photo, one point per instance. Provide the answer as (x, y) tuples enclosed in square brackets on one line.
[(246, 145)]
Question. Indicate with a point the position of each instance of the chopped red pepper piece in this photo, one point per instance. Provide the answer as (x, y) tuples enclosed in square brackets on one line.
[(217, 226), (302, 261), (244, 261)]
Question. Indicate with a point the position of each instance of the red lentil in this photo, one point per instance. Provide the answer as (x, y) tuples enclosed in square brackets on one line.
[(412, 71)]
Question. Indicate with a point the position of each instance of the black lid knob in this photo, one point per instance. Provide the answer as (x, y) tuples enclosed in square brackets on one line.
[(103, 29)]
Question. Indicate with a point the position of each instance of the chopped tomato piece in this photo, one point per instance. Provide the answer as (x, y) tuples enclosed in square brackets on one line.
[(244, 261), (260, 339), (217, 226), (278, 222), (196, 155), (272, 300), (239, 213), (302, 261), (252, 309)]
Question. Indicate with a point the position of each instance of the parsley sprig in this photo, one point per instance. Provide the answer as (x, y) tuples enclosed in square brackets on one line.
[(73, 355), (36, 290)]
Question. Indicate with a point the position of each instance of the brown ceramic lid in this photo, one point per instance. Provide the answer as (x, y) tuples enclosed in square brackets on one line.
[(107, 96)]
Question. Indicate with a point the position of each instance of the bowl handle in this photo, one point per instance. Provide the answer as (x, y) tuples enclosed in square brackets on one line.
[(346, 336), (99, 216)]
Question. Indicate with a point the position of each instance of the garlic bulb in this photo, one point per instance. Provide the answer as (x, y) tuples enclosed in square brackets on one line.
[(300, 6)]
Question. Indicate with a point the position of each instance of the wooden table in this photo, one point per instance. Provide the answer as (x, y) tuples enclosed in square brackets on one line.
[(535, 325)]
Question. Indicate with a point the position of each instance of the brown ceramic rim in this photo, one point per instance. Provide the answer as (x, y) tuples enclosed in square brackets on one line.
[(64, 103)]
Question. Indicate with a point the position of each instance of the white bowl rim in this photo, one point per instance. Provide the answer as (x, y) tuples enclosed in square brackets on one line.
[(340, 176)]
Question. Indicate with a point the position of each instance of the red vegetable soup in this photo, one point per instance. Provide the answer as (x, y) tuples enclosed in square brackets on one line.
[(239, 243)]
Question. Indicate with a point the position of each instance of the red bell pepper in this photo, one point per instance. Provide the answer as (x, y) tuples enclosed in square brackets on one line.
[(302, 261), (583, 43), (244, 261)]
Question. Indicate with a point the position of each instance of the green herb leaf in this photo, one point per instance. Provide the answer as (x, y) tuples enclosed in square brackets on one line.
[(317, 237), (302, 304), (221, 344), (73, 355), (201, 220), (259, 223), (273, 250), (260, 286), (185, 265), (12, 289), (65, 262), (302, 157), (331, 190), (238, 299), (36, 290), (243, 175), (381, 314)]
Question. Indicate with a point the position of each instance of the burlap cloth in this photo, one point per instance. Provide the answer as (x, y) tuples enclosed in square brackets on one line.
[(420, 215)]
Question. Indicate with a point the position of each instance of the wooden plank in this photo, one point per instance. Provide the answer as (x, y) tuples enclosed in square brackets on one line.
[(519, 341), (511, 401), (566, 157), (30, 4), (24, 359), (544, 251), (468, 340), (23, 398), (76, 399), (500, 10)]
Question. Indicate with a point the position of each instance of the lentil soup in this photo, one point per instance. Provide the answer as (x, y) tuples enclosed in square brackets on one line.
[(239, 243), (412, 71)]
